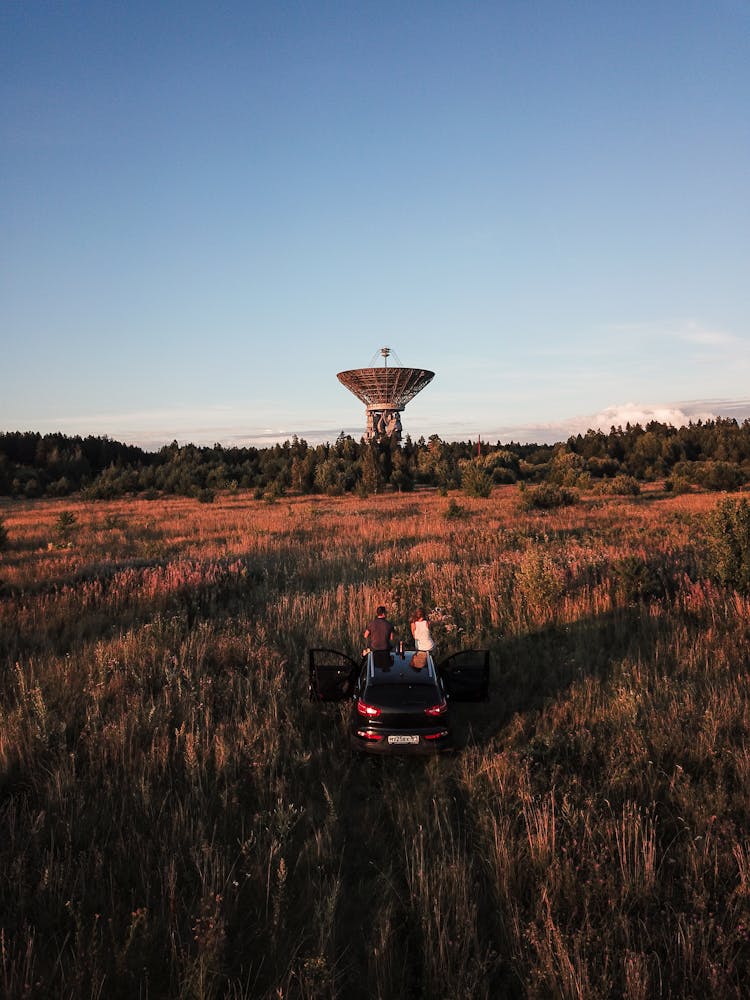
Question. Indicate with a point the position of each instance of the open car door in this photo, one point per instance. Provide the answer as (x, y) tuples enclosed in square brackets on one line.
[(332, 675), (467, 675)]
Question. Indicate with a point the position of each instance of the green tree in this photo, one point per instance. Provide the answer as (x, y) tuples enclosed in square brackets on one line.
[(65, 526), (645, 459), (372, 477), (502, 465), (566, 468), (401, 474), (720, 476), (475, 480), (729, 540), (303, 472)]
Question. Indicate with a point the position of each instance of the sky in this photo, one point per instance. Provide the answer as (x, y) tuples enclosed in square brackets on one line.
[(207, 210)]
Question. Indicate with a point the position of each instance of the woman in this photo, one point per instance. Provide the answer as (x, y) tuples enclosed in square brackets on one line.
[(420, 629)]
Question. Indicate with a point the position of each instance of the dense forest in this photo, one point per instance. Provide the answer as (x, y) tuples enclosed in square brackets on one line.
[(712, 454)]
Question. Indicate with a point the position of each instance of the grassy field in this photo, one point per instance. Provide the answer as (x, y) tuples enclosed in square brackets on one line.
[(176, 820)]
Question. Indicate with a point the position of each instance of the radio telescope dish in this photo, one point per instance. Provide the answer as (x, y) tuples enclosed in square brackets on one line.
[(385, 392)]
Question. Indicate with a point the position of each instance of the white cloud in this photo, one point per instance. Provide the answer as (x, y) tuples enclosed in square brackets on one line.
[(694, 333), (677, 414), (638, 413), (232, 426), (690, 331)]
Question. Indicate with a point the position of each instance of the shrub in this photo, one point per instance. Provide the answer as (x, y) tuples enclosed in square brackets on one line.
[(454, 510), (626, 486), (476, 481), (275, 491), (65, 526), (540, 581), (60, 488), (720, 476), (641, 580), (677, 485), (729, 542), (546, 497), (114, 522), (3, 536), (206, 495), (602, 467), (566, 467)]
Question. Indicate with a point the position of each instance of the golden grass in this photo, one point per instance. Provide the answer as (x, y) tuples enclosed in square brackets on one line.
[(179, 821)]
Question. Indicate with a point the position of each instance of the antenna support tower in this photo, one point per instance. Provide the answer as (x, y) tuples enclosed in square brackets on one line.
[(385, 392)]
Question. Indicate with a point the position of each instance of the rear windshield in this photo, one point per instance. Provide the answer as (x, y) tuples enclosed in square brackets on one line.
[(392, 695)]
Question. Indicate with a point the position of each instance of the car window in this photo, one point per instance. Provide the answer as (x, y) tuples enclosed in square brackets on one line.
[(397, 695)]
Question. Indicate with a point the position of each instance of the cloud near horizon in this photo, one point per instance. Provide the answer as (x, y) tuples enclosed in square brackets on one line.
[(619, 415), (208, 427)]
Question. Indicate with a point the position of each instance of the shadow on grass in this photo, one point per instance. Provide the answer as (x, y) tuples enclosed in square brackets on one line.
[(528, 671)]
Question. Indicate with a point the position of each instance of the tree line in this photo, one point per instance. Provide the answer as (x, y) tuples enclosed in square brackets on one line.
[(713, 454)]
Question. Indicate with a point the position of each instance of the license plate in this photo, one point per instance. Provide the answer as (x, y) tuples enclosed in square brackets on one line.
[(403, 739)]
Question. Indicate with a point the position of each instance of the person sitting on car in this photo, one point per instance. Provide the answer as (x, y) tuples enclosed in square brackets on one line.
[(420, 629), (379, 633)]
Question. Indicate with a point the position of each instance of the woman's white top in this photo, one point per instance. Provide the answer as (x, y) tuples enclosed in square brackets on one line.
[(422, 636)]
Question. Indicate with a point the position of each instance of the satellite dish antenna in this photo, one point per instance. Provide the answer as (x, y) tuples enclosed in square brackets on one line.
[(385, 392)]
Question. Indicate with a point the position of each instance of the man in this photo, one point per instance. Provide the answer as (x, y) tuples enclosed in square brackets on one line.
[(379, 633)]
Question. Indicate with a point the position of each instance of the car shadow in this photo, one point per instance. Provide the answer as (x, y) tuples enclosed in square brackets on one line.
[(530, 670)]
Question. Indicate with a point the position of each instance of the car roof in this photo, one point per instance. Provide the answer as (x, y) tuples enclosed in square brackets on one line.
[(397, 668)]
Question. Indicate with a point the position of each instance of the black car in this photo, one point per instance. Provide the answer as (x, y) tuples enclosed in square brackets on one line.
[(400, 700)]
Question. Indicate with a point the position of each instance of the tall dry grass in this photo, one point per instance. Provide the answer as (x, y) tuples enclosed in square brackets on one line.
[(179, 821)]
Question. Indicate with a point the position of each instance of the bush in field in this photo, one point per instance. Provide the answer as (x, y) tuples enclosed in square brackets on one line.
[(502, 466), (546, 497), (60, 487), (711, 475), (3, 536), (720, 476), (65, 526), (677, 485), (566, 468), (476, 481), (625, 486), (729, 540), (640, 580), (540, 581), (454, 511), (114, 522)]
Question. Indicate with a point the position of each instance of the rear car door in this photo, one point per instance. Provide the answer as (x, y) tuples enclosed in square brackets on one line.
[(466, 675), (332, 675)]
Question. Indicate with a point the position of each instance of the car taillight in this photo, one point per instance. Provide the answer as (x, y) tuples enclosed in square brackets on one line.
[(369, 711), (435, 736), (369, 736), (440, 709)]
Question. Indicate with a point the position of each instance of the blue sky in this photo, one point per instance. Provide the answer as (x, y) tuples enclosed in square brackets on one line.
[(208, 210)]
